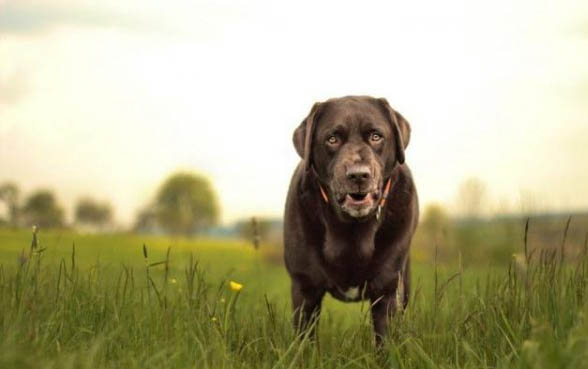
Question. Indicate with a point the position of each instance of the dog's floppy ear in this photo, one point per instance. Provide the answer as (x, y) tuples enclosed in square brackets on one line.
[(303, 136), (400, 128)]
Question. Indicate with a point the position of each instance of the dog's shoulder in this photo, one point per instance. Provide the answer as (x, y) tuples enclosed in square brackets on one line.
[(303, 206)]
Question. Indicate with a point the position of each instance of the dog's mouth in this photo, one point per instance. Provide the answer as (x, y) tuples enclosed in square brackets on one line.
[(358, 204), (358, 198)]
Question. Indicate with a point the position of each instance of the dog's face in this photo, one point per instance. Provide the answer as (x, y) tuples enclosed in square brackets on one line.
[(353, 144)]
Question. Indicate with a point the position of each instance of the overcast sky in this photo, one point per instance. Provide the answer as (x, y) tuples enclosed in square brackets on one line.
[(107, 98)]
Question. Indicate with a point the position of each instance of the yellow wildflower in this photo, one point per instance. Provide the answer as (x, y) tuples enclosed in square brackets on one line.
[(235, 286)]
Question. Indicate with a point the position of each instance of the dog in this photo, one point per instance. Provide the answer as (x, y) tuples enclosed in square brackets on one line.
[(351, 210)]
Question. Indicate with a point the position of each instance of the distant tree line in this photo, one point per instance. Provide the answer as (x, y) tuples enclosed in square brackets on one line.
[(476, 233), (184, 204), (41, 208)]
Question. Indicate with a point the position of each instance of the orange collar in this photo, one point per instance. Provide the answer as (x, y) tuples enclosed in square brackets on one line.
[(323, 194), (380, 205)]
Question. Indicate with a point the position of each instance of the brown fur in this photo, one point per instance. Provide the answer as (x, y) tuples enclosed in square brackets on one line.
[(332, 247)]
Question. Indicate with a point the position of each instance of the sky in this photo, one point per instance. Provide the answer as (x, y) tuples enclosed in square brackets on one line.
[(108, 98)]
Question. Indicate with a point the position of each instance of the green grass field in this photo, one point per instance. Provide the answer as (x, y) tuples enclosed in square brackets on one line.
[(102, 304)]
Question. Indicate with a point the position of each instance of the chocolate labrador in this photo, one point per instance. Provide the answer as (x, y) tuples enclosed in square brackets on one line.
[(351, 210)]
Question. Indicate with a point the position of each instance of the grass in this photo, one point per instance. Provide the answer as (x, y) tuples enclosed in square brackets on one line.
[(103, 304)]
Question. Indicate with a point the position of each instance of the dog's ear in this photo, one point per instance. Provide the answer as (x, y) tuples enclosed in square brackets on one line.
[(303, 136), (400, 128)]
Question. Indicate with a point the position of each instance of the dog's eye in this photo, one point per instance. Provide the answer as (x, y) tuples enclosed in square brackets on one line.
[(375, 137), (332, 139)]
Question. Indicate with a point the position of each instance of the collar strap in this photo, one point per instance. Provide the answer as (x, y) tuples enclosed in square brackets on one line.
[(380, 205), (384, 198), (323, 194), (386, 192)]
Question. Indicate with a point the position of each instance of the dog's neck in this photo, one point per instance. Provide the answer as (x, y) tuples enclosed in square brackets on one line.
[(352, 242)]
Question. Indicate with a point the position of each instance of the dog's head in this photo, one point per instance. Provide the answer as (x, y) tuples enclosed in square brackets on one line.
[(352, 143)]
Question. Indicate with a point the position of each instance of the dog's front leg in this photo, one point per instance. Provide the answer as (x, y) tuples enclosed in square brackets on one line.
[(383, 308), (306, 302)]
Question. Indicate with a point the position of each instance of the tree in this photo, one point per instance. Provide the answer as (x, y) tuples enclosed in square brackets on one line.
[(435, 222), (146, 220), (91, 212), (472, 198), (41, 209), (9, 195), (185, 204), (436, 229)]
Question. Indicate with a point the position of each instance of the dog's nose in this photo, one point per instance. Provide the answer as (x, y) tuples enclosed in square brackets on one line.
[(358, 173)]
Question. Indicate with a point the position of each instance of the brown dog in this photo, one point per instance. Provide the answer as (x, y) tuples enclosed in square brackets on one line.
[(351, 210)]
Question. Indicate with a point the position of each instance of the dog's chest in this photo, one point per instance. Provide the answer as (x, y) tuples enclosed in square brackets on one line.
[(347, 275), (353, 293), (348, 250)]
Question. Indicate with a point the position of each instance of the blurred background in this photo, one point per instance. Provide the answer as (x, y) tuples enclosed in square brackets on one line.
[(176, 117)]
